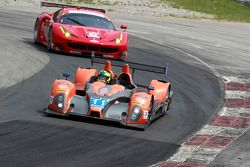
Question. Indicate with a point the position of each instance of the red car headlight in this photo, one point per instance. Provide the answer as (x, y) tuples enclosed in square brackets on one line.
[(65, 32), (119, 39)]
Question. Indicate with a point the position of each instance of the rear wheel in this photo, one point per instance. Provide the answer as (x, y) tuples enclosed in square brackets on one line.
[(167, 102)]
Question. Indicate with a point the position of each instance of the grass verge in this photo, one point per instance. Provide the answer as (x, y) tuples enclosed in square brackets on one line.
[(230, 10), (71, 1)]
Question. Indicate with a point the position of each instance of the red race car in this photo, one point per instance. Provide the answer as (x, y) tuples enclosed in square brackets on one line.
[(80, 30), (106, 96)]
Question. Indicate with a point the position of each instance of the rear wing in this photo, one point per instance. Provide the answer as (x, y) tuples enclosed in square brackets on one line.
[(61, 5), (133, 66)]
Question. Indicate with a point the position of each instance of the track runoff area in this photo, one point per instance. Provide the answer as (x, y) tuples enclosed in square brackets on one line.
[(231, 122)]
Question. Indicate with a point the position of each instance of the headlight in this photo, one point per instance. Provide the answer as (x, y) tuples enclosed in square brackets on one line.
[(118, 40), (60, 98), (135, 114), (136, 110), (59, 101), (65, 32), (59, 105)]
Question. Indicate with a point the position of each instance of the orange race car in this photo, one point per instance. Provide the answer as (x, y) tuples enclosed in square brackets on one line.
[(104, 96)]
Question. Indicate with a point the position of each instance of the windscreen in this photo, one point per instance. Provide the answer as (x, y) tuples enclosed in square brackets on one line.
[(87, 20)]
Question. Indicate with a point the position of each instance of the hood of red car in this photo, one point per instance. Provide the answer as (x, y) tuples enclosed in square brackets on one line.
[(93, 34)]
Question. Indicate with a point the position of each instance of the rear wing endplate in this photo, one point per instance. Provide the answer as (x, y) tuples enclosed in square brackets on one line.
[(61, 5)]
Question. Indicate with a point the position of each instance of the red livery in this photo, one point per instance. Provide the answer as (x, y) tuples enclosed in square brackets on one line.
[(80, 30)]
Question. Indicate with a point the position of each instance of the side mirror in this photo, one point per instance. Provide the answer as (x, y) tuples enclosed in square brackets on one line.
[(66, 75), (151, 88), (123, 26)]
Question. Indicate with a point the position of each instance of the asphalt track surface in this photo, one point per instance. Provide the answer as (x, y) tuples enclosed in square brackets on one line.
[(29, 138)]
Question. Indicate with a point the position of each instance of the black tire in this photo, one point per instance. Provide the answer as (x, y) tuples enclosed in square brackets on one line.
[(35, 32), (49, 44), (166, 108), (123, 57), (149, 116)]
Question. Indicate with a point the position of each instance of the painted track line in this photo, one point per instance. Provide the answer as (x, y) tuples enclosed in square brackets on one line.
[(231, 122)]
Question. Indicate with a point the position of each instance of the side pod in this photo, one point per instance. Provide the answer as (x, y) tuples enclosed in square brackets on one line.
[(160, 89)]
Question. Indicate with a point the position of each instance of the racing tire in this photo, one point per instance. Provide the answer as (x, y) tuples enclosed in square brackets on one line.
[(50, 43), (123, 56), (146, 125), (149, 116), (167, 105), (35, 32)]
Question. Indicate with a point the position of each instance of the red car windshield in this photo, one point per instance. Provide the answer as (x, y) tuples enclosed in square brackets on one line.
[(87, 20)]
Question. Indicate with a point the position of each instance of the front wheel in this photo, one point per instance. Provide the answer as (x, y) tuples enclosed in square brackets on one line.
[(123, 56), (149, 116), (49, 43), (35, 32)]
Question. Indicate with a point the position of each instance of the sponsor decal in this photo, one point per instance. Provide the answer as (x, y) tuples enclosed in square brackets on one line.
[(62, 86), (75, 52), (108, 56), (138, 103), (96, 108), (62, 83), (141, 99), (59, 91), (93, 34), (93, 40), (86, 12), (97, 103)]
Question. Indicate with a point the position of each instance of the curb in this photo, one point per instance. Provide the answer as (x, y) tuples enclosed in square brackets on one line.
[(230, 123)]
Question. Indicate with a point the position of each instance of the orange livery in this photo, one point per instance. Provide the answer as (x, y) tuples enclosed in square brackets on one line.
[(104, 96)]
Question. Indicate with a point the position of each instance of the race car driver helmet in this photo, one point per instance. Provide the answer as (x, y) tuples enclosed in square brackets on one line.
[(104, 76)]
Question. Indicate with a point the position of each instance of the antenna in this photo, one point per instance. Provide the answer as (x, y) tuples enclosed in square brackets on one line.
[(66, 75), (92, 58)]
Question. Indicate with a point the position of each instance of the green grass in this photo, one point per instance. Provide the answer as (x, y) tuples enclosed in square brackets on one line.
[(71, 2), (223, 9), (86, 1)]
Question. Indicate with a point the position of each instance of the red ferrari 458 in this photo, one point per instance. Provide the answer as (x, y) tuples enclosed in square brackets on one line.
[(80, 30)]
